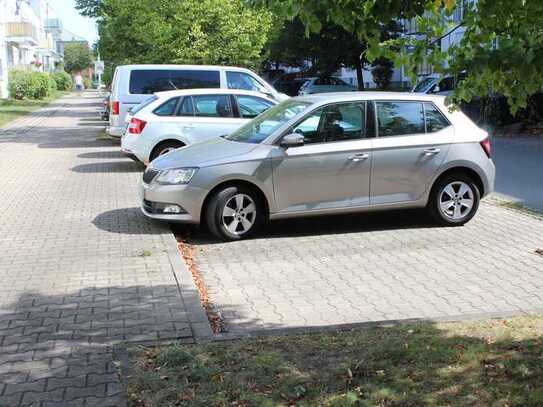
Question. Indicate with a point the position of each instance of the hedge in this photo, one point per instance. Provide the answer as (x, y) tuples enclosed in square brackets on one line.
[(30, 85), (63, 80)]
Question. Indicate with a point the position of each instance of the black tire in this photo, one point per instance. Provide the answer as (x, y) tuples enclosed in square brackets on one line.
[(163, 147), (437, 193), (216, 206)]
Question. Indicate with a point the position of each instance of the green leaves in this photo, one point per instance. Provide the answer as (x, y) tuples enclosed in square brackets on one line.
[(183, 32)]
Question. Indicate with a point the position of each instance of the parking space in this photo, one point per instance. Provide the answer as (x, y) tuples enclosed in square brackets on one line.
[(83, 272), (323, 272)]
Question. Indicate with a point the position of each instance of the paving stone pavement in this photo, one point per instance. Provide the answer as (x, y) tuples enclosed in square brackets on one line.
[(82, 271), (325, 272)]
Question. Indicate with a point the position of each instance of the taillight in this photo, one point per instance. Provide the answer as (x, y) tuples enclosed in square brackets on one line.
[(136, 126), (115, 107), (485, 144)]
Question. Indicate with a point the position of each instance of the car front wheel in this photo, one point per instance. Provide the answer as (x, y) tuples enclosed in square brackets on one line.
[(454, 200), (234, 213)]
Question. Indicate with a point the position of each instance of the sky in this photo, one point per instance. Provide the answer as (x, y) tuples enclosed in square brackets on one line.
[(73, 21)]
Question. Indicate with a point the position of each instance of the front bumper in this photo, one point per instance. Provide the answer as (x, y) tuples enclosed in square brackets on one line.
[(189, 198)]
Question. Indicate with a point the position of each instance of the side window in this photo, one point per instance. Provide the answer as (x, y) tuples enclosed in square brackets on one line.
[(446, 84), (243, 81), (338, 122), (250, 106), (166, 108), (148, 81), (399, 118), (186, 108), (309, 127), (435, 120), (212, 106)]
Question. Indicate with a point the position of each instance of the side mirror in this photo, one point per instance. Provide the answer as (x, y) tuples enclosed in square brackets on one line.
[(292, 140), (436, 89)]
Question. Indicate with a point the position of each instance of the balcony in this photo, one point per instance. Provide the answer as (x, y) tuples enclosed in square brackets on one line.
[(22, 33)]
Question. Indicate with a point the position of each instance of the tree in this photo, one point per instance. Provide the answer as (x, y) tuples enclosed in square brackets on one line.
[(77, 56), (328, 50), (89, 8), (182, 32), (382, 70), (501, 51)]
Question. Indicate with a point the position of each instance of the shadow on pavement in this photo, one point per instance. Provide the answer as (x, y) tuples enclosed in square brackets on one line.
[(323, 225), (102, 154), (109, 167), (128, 221)]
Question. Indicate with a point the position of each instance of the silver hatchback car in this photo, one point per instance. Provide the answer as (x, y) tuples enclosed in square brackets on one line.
[(327, 154)]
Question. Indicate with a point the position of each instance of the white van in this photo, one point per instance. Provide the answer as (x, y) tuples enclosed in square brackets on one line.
[(133, 84)]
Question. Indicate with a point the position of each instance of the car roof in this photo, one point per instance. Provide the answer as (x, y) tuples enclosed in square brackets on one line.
[(371, 95), (211, 91), (173, 66)]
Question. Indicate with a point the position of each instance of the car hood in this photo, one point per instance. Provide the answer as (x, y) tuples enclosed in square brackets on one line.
[(203, 154)]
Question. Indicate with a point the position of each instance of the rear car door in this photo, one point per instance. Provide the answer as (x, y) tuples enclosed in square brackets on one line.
[(413, 139), (212, 116), (332, 168)]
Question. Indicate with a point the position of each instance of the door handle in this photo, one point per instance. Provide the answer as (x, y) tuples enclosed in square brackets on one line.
[(431, 151), (358, 157)]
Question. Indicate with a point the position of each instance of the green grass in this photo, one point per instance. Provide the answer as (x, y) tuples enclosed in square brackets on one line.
[(519, 207), (489, 363), (11, 109)]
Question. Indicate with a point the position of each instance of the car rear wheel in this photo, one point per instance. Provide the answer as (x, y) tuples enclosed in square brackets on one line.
[(164, 148), (454, 200), (234, 213)]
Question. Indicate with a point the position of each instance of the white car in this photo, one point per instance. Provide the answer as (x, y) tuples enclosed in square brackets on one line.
[(134, 84), (174, 119)]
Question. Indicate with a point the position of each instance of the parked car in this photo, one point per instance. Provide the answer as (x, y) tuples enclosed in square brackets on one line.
[(179, 118), (327, 154), (436, 84), (325, 84), (289, 86), (134, 84)]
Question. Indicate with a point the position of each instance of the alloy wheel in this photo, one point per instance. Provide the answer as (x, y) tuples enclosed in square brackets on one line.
[(239, 214), (456, 200)]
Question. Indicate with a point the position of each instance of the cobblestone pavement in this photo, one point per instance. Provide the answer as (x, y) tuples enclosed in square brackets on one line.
[(323, 272), (82, 271)]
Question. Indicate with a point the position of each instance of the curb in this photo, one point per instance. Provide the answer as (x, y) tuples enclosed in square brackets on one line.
[(201, 330)]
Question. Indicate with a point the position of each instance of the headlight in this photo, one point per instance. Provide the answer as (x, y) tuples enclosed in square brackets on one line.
[(175, 176)]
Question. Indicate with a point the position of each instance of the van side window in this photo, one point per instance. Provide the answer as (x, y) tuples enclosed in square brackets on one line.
[(212, 106), (399, 118), (147, 81), (244, 81), (435, 120), (166, 108)]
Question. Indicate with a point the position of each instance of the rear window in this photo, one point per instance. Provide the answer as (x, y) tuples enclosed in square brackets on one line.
[(147, 81), (167, 108), (137, 108)]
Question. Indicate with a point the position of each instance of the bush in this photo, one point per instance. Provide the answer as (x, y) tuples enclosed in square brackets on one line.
[(30, 85), (87, 83), (63, 80)]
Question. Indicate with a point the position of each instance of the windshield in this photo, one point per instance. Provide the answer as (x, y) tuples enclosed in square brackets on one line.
[(260, 128), (424, 85), (137, 108)]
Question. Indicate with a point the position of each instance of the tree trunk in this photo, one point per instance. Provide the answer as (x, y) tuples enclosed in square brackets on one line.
[(359, 74)]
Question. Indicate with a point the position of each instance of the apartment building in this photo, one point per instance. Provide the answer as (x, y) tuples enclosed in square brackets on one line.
[(29, 32)]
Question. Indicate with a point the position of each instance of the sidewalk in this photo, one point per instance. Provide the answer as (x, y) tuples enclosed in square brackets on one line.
[(82, 271)]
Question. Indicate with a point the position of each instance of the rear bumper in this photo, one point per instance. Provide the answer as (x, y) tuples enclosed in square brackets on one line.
[(130, 155), (116, 132)]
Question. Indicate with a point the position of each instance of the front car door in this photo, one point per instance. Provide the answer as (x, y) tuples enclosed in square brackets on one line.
[(412, 141), (332, 169)]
